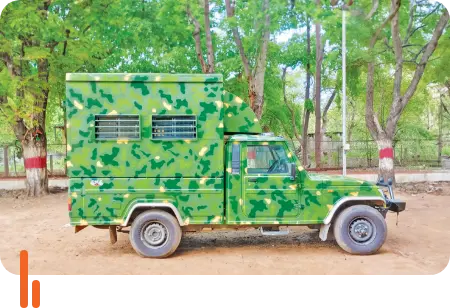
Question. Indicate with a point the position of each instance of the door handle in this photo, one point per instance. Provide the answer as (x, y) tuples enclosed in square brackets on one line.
[(252, 179)]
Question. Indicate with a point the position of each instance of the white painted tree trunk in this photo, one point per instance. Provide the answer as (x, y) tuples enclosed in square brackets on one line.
[(34, 156), (386, 160)]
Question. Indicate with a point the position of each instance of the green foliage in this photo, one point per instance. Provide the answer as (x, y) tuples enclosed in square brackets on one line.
[(309, 105), (156, 36)]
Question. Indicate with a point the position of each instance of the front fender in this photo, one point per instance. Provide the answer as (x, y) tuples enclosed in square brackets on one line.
[(341, 202), (151, 204)]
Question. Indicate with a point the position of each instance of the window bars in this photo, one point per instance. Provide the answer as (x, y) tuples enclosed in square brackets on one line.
[(174, 127), (112, 127)]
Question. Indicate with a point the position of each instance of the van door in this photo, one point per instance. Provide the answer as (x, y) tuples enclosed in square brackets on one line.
[(270, 195)]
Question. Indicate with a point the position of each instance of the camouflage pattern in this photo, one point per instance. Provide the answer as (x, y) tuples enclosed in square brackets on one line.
[(238, 116), (198, 200), (276, 199), (109, 177), (145, 95)]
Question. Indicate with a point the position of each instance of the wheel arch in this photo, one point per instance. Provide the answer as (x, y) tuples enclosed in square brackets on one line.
[(341, 205), (140, 207), (346, 202)]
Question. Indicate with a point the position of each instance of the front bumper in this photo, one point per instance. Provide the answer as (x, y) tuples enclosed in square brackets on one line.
[(392, 204), (395, 205)]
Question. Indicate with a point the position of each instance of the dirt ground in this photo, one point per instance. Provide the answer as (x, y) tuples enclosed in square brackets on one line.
[(420, 244)]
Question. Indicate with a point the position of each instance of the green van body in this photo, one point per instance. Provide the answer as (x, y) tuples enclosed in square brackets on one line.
[(211, 178)]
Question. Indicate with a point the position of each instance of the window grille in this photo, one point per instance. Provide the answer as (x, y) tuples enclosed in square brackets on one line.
[(112, 127), (174, 127)]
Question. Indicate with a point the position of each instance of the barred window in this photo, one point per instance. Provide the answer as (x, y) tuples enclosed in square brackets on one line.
[(174, 127), (112, 127)]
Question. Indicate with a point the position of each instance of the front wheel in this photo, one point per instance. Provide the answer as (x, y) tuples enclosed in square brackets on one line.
[(360, 229), (155, 234)]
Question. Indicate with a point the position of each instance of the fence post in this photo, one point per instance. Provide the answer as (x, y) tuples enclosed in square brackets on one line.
[(15, 167), (6, 160)]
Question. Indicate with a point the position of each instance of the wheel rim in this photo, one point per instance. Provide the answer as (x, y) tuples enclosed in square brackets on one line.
[(154, 234), (362, 230)]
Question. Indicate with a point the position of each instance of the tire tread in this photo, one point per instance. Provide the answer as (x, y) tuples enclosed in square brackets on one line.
[(341, 234), (155, 213)]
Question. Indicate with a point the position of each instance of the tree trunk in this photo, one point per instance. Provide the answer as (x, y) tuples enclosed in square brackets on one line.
[(255, 77), (317, 134), (325, 113), (251, 92), (261, 63), (197, 39), (257, 93), (259, 102), (35, 159), (352, 123), (209, 45), (291, 110), (305, 138), (386, 159), (307, 95)]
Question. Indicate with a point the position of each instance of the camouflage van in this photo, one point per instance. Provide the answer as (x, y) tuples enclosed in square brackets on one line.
[(157, 155)]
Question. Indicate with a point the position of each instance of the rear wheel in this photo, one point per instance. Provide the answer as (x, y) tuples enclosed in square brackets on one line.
[(360, 229), (155, 234)]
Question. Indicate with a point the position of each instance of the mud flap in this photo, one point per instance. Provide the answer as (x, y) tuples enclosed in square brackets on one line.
[(79, 228), (113, 234), (323, 233)]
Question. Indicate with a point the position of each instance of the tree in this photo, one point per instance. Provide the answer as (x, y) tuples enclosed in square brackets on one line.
[(26, 57), (255, 75), (308, 108), (320, 115), (40, 41), (207, 66), (291, 109), (318, 88), (384, 132)]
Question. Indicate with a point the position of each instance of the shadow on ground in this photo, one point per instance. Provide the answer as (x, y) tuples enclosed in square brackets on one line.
[(216, 240)]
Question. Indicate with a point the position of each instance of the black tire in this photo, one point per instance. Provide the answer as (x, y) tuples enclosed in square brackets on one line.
[(360, 229), (144, 233)]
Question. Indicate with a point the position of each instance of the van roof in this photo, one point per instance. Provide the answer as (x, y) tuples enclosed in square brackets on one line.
[(144, 77)]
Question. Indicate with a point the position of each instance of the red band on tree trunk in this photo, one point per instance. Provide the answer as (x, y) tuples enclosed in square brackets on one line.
[(387, 153), (36, 162)]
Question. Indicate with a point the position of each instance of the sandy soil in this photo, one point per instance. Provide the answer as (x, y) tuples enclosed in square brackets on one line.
[(420, 244)]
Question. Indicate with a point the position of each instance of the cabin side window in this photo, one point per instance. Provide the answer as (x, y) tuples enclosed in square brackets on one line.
[(113, 127), (166, 127), (267, 159)]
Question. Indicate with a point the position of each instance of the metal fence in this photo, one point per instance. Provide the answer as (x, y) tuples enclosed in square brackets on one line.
[(412, 154), (12, 165), (409, 154)]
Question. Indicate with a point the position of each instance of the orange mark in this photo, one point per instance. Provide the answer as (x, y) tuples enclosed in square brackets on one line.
[(36, 297), (23, 279)]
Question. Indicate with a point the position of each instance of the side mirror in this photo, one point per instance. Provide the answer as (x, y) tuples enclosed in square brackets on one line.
[(293, 171)]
